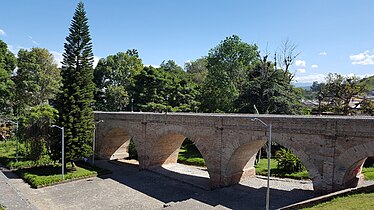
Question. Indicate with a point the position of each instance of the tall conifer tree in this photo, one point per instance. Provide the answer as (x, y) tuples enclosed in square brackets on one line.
[(76, 98)]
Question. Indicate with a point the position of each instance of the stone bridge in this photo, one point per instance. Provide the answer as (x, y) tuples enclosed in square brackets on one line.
[(333, 149)]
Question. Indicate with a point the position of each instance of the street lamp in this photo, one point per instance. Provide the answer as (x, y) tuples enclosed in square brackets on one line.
[(132, 105), (16, 138), (269, 157), (94, 141), (62, 148), (167, 103)]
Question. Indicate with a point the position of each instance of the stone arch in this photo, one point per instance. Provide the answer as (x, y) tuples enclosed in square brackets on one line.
[(348, 165), (166, 145), (241, 161), (299, 148), (114, 143)]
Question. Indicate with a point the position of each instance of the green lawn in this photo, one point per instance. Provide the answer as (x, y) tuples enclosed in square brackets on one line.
[(358, 201), (42, 172), (8, 157), (190, 155), (369, 173), (262, 169), (47, 175)]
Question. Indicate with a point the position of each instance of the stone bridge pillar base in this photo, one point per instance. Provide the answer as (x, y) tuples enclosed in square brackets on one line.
[(236, 177)]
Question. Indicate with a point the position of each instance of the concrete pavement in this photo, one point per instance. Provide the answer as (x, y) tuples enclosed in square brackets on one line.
[(129, 188), (10, 197)]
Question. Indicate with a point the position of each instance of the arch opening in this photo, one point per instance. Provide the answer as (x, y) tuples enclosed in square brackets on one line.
[(115, 145), (354, 166), (243, 162), (182, 158)]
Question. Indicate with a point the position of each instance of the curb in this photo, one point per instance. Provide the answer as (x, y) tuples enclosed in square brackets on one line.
[(324, 198)]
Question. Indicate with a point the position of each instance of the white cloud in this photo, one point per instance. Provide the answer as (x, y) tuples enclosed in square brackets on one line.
[(323, 53), (364, 58), (300, 63), (314, 66), (32, 40), (96, 60), (2, 32), (58, 58), (301, 70), (322, 78), (149, 65), (310, 78)]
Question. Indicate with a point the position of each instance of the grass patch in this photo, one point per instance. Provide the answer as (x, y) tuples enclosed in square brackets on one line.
[(368, 173), (190, 155), (47, 175), (42, 172), (262, 169), (8, 157), (358, 201), (1, 207)]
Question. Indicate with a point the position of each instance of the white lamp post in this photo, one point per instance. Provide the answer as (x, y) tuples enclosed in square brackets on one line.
[(62, 148), (132, 105), (269, 157), (94, 141)]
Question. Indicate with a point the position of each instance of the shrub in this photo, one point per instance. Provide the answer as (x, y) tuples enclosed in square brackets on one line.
[(288, 162), (133, 154)]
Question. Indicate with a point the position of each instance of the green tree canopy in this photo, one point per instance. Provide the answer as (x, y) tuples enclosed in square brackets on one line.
[(159, 90), (228, 64), (198, 69), (268, 91), (114, 77), (7, 66), (38, 79), (76, 99), (37, 126), (339, 91)]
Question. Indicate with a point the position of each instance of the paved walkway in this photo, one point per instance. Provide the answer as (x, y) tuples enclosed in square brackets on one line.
[(129, 188), (10, 197)]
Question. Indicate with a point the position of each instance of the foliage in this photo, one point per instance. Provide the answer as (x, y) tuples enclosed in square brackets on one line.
[(7, 66), (171, 66), (268, 91), (368, 173), (159, 90), (38, 79), (340, 90), (37, 134), (337, 93), (198, 69), (288, 162), (149, 88), (261, 169), (47, 175), (356, 201), (114, 77), (227, 66), (8, 157), (133, 154), (190, 155), (369, 82), (76, 99)]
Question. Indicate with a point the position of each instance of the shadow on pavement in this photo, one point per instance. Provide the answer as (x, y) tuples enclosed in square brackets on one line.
[(170, 190)]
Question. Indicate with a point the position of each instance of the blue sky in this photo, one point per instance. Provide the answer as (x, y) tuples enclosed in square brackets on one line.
[(332, 36)]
